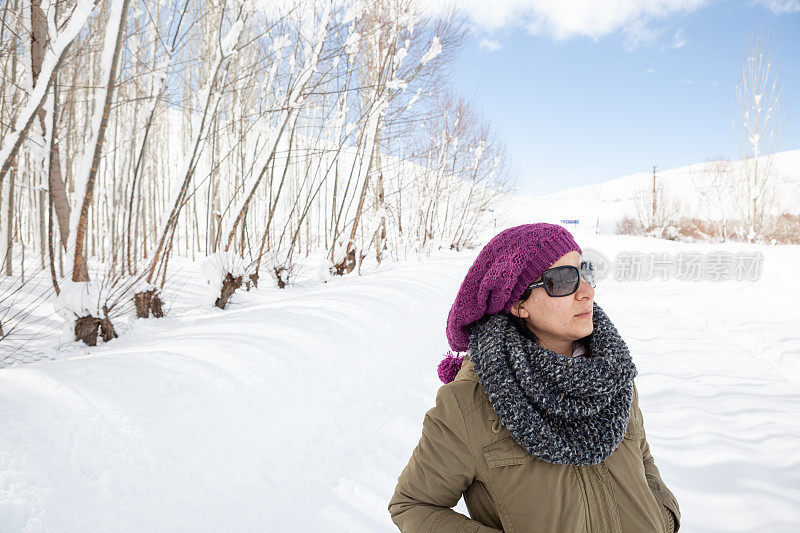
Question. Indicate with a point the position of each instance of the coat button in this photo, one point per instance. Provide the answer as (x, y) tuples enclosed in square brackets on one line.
[(496, 426)]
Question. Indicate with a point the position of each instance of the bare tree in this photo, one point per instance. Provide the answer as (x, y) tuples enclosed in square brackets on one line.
[(759, 121), (656, 211), (104, 95), (717, 189)]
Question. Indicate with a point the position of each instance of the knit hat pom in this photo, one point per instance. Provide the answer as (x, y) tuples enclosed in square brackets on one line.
[(449, 367)]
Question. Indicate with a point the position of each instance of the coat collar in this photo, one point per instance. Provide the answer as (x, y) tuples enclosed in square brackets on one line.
[(467, 371)]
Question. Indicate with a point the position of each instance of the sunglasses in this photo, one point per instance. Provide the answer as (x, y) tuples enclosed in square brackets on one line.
[(564, 280)]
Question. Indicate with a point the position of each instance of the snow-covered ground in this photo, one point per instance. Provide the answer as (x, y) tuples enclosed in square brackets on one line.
[(296, 410)]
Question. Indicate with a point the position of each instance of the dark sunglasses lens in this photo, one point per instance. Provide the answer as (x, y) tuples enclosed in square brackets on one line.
[(589, 272), (561, 281)]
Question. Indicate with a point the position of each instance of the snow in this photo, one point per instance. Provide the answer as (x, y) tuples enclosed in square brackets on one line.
[(433, 51), (754, 139), (400, 55), (396, 83), (216, 267), (296, 409), (77, 299), (353, 13), (351, 45), (280, 43), (479, 151), (228, 43), (414, 98)]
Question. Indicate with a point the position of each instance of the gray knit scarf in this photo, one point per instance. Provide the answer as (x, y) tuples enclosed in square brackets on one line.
[(562, 409)]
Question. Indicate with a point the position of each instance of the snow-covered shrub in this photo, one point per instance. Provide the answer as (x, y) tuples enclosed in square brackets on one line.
[(83, 309), (282, 267), (628, 225), (147, 300), (784, 229), (225, 272)]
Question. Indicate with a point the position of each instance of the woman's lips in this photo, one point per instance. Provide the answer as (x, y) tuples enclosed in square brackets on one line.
[(585, 314)]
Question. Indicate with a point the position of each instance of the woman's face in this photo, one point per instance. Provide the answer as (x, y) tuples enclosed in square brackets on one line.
[(556, 321)]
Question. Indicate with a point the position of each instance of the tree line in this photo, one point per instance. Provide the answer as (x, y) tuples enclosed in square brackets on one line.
[(255, 134)]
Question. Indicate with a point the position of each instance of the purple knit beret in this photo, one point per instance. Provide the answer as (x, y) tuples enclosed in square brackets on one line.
[(511, 261)]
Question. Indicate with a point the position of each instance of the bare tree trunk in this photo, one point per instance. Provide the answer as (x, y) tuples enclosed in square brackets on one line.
[(9, 253), (50, 196), (380, 204), (10, 221), (80, 271), (354, 228)]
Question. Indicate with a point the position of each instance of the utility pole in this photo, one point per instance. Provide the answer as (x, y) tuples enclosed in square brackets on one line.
[(654, 194)]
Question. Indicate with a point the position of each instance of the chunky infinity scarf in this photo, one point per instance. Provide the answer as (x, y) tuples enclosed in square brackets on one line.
[(562, 409)]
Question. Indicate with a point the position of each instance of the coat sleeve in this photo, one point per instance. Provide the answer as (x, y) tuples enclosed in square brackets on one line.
[(441, 468), (663, 495)]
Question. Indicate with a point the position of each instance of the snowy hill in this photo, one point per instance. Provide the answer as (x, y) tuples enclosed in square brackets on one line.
[(605, 203)]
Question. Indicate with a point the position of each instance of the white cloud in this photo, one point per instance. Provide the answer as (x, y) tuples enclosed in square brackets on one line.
[(650, 70), (490, 44), (639, 32), (780, 7), (687, 82), (679, 41), (562, 20)]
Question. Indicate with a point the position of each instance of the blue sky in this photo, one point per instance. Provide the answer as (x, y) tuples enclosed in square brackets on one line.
[(615, 97)]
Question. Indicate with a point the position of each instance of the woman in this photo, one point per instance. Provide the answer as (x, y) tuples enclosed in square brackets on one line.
[(539, 426)]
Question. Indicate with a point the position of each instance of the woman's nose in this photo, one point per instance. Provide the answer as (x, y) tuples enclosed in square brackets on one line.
[(584, 290)]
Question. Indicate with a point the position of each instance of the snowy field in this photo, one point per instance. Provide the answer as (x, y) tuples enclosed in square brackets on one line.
[(296, 410)]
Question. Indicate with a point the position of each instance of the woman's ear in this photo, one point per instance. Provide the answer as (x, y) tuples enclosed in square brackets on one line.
[(518, 310)]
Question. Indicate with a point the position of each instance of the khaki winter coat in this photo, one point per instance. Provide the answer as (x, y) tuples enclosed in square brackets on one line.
[(465, 450)]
